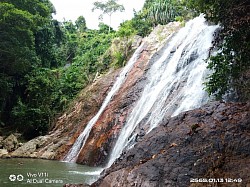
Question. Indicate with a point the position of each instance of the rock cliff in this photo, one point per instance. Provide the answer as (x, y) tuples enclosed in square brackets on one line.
[(67, 128), (106, 129)]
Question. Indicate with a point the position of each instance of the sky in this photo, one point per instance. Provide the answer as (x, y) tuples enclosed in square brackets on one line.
[(72, 9)]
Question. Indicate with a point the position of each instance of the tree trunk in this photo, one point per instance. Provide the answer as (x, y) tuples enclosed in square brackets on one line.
[(109, 22)]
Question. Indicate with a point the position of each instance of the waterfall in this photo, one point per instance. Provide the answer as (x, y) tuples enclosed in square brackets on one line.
[(175, 82), (80, 141)]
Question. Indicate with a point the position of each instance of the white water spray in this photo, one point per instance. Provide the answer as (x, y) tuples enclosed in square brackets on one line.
[(174, 82), (80, 141)]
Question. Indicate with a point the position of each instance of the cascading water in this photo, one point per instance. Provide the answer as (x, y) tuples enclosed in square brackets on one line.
[(80, 142), (175, 82)]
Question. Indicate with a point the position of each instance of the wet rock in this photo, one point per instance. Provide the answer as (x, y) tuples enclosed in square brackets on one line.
[(175, 153), (10, 143)]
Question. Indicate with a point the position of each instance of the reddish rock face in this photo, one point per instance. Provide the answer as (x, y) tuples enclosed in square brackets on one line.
[(107, 127), (71, 123), (106, 130)]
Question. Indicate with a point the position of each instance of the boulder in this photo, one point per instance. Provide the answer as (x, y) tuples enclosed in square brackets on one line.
[(3, 153), (26, 149), (10, 143), (29, 148)]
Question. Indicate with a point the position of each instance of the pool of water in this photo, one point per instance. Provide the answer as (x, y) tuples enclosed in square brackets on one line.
[(42, 173)]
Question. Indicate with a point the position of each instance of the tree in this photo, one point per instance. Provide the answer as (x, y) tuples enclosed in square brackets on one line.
[(109, 7), (29, 39), (81, 24), (17, 51), (70, 45)]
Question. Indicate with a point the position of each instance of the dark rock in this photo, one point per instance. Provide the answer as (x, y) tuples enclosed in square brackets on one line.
[(171, 156)]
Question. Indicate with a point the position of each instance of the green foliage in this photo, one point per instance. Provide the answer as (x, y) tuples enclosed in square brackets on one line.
[(45, 46), (29, 40), (119, 59), (141, 24), (17, 50), (103, 28), (33, 113), (69, 46), (91, 47), (219, 78), (36, 119), (72, 80), (126, 29), (126, 32), (16, 43), (47, 91), (231, 64), (156, 12), (161, 12)]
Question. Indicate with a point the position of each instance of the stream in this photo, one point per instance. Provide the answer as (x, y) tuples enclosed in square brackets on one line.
[(38, 172)]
